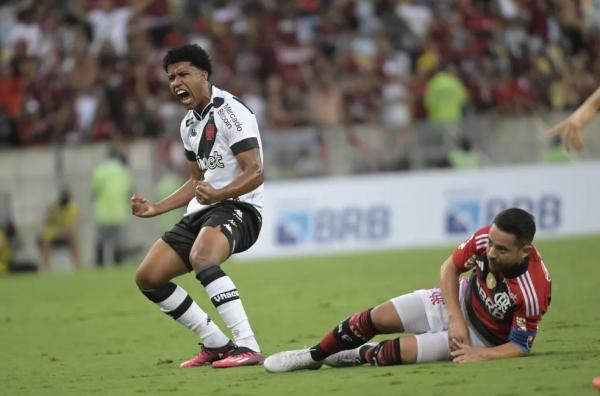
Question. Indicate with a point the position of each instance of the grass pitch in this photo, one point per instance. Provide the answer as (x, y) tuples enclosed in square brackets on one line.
[(93, 333)]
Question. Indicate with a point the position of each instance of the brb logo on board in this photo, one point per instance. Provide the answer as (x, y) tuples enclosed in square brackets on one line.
[(333, 225), (465, 215)]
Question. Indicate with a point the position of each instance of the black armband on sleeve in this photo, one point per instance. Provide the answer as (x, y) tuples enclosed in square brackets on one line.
[(244, 145), (190, 155)]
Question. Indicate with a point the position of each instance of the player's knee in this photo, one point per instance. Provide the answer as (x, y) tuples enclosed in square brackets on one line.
[(148, 280), (385, 318), (200, 260)]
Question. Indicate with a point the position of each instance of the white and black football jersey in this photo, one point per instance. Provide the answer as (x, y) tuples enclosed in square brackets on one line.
[(225, 128)]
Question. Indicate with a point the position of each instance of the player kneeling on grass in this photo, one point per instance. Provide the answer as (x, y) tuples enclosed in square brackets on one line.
[(493, 314)]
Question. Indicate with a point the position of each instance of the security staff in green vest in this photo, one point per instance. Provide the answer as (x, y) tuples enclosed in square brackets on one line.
[(111, 189)]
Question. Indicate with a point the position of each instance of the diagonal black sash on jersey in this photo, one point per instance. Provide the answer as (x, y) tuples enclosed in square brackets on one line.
[(207, 140)]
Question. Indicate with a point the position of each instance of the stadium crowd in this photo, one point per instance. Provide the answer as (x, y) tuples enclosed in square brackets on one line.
[(82, 71)]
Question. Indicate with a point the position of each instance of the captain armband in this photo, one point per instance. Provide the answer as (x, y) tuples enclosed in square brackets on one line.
[(524, 339)]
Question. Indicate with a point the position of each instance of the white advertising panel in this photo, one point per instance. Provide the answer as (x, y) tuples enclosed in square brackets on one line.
[(325, 216)]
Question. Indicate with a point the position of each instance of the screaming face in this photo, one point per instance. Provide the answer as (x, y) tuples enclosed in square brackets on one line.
[(189, 84)]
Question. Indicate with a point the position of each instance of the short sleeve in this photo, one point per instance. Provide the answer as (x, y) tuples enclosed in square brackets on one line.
[(185, 136), (474, 246), (239, 125)]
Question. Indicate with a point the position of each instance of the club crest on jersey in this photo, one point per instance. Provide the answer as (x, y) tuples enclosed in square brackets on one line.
[(193, 132), (209, 131), (212, 162)]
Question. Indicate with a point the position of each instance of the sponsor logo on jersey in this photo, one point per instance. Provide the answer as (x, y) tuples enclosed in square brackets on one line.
[(498, 306), (229, 118), (189, 122), (212, 162)]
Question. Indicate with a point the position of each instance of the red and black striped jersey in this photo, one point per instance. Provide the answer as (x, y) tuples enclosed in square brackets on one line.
[(506, 306)]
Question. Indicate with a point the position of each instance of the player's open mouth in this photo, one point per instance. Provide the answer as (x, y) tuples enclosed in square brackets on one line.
[(184, 96)]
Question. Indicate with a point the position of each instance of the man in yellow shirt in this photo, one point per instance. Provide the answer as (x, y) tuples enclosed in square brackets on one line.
[(60, 228)]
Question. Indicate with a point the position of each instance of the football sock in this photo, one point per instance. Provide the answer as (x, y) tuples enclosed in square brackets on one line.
[(226, 299), (175, 302), (386, 353), (351, 333)]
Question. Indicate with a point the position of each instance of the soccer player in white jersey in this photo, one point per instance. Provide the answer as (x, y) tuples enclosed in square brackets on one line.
[(224, 197), (493, 314)]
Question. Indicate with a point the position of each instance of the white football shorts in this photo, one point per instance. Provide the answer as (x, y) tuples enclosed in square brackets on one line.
[(423, 312)]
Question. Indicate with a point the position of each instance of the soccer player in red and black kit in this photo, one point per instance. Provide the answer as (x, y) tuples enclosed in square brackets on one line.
[(494, 313)]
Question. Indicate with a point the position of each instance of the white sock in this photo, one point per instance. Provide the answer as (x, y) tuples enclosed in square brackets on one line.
[(226, 299), (180, 306)]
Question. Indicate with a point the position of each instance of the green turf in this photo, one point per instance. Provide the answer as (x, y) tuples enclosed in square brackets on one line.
[(94, 333)]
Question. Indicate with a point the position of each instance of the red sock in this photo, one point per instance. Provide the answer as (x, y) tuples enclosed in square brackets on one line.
[(386, 353), (351, 333)]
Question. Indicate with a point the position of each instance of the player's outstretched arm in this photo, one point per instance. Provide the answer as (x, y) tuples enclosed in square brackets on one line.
[(457, 328), (572, 127), (463, 353)]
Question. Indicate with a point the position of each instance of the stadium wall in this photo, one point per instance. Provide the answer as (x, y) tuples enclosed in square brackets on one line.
[(425, 208), (321, 215)]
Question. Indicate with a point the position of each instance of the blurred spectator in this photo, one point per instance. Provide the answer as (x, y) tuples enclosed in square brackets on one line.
[(8, 130), (111, 188), (89, 71), (26, 31), (10, 244), (109, 24), (325, 99), (463, 156), (60, 229), (445, 96)]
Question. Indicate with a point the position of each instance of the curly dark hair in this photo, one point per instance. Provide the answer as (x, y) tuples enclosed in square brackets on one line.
[(192, 53)]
